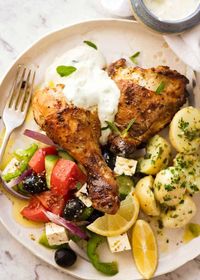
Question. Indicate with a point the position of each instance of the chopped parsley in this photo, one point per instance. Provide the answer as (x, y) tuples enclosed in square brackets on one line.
[(194, 188), (189, 134), (160, 224), (160, 151), (183, 125), (174, 216), (90, 44), (133, 57), (167, 198), (65, 71), (160, 88), (169, 187), (158, 185)]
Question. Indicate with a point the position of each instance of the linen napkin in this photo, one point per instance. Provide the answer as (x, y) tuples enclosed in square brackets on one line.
[(185, 45)]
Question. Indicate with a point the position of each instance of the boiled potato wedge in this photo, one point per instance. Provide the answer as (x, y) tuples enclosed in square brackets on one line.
[(181, 215), (144, 193), (190, 165), (169, 186), (184, 132), (158, 154)]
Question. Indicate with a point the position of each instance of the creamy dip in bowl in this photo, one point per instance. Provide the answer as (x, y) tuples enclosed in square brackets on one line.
[(167, 16)]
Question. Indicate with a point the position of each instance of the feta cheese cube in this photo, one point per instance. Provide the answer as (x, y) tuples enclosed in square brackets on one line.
[(56, 235), (119, 243), (125, 166), (12, 166), (82, 194)]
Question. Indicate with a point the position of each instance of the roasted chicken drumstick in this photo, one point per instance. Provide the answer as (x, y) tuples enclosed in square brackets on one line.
[(77, 131)]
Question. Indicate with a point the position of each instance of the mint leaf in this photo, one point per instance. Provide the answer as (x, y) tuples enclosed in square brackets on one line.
[(90, 44), (113, 127), (160, 88), (133, 57), (65, 71)]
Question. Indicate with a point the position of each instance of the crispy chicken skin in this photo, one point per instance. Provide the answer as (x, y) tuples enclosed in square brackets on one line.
[(139, 101), (77, 131)]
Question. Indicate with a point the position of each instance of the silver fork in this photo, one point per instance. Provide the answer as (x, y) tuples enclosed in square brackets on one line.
[(16, 108)]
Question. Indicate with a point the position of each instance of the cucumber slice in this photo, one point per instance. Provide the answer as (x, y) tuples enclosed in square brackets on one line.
[(50, 162), (65, 155), (125, 184), (44, 242)]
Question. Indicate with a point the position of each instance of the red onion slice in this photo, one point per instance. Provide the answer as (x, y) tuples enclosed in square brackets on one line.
[(13, 192), (74, 229), (19, 179), (39, 137)]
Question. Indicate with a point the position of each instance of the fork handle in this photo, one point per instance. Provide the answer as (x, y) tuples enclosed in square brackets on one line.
[(4, 143)]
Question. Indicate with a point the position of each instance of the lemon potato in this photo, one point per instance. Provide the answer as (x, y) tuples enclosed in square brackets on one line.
[(144, 193), (184, 132), (181, 215), (190, 165), (158, 153), (170, 186)]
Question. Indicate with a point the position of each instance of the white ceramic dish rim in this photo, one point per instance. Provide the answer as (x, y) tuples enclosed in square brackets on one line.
[(192, 248)]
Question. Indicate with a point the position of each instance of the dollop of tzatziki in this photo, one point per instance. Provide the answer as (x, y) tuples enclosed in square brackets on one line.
[(88, 86)]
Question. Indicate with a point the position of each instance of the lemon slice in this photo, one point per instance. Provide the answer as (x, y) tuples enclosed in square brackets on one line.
[(144, 248), (111, 225)]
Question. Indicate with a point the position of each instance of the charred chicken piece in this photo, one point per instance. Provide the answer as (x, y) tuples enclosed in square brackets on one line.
[(77, 131), (149, 96)]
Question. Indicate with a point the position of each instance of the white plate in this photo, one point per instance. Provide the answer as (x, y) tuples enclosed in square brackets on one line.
[(116, 39)]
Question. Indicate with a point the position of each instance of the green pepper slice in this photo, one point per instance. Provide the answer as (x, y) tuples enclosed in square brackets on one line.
[(109, 268), (23, 157), (26, 154)]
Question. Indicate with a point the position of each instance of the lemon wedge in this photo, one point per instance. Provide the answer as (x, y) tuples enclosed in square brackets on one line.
[(144, 247), (111, 225)]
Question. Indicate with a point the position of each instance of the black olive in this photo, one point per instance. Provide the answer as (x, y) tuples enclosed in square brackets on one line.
[(65, 257), (73, 209), (95, 215), (35, 183), (109, 157)]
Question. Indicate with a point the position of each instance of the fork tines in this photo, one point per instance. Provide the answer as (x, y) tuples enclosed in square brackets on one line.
[(22, 88)]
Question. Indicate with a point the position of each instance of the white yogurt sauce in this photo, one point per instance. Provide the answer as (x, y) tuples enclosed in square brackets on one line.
[(89, 86), (172, 9)]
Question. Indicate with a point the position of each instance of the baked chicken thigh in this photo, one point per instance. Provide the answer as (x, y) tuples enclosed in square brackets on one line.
[(149, 97)]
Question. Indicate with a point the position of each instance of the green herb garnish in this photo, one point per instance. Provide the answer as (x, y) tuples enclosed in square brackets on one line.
[(133, 57), (168, 187), (65, 71), (90, 44), (190, 134), (105, 127), (160, 88), (183, 125), (160, 224), (125, 131), (113, 127)]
